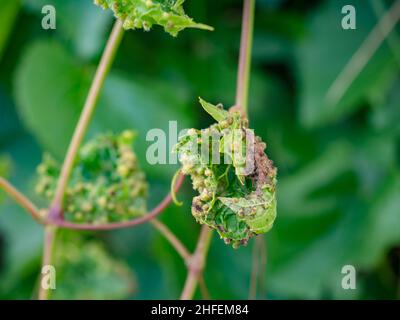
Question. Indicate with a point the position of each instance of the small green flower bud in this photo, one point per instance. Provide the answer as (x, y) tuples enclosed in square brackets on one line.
[(41, 169), (87, 207), (78, 216), (123, 170)]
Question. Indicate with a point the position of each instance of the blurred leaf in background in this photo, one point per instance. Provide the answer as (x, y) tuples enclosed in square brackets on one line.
[(92, 275), (324, 55), (50, 105), (8, 16)]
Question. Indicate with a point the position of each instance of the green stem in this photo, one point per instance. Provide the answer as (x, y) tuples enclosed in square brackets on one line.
[(86, 115), (22, 200), (172, 239), (246, 44), (196, 263), (61, 223), (49, 237)]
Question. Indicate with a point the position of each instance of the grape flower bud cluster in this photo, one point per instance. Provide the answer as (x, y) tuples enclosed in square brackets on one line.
[(106, 184)]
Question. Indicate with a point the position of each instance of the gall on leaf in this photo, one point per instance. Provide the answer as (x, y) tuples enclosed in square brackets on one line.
[(106, 184), (234, 177), (143, 14)]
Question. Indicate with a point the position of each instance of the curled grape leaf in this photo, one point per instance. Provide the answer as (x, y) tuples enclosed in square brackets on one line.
[(143, 14), (234, 177), (106, 185)]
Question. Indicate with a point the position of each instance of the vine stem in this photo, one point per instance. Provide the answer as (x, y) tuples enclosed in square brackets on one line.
[(263, 267), (49, 237), (54, 218), (55, 211), (254, 271), (197, 261), (258, 268), (26, 204), (242, 103), (23, 201), (173, 240), (50, 228), (86, 115), (246, 44), (118, 225), (203, 288)]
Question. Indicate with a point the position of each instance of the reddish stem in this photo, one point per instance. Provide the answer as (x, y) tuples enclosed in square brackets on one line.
[(118, 225)]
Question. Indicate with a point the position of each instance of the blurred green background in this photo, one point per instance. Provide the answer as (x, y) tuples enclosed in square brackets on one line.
[(339, 163)]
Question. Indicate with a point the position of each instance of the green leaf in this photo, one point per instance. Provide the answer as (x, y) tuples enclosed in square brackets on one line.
[(143, 14), (259, 211), (100, 275), (217, 112), (50, 105), (232, 200), (326, 96), (8, 14)]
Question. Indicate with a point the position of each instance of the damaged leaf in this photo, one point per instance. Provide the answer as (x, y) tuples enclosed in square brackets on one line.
[(143, 14), (234, 177)]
